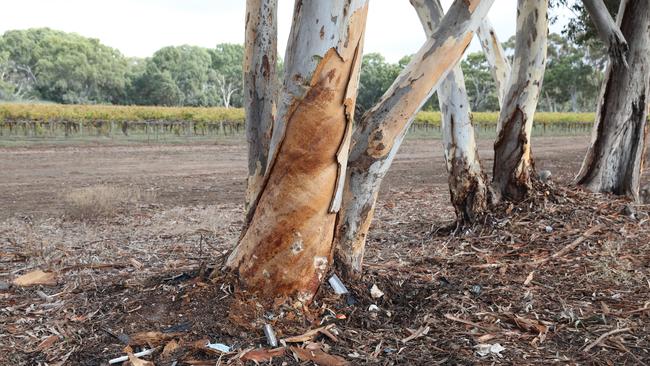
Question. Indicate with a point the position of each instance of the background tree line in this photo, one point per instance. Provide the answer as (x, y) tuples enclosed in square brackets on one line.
[(45, 64)]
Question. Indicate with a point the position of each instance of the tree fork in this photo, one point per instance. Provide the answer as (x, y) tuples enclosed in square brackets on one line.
[(287, 248), (513, 164), (382, 129)]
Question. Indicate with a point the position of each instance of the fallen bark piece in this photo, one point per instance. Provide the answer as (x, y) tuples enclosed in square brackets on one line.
[(34, 278), (417, 334), (151, 338), (135, 361), (47, 342), (308, 336), (170, 348), (605, 336), (319, 357), (262, 354)]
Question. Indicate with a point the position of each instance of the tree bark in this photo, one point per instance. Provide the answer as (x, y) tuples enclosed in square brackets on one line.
[(513, 165), (287, 248), (382, 129), (615, 158), (607, 30), (496, 57), (260, 88), (467, 181)]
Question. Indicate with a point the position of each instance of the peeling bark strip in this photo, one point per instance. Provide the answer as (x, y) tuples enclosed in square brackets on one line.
[(513, 164), (287, 248), (260, 88), (614, 160), (496, 57), (607, 30), (381, 131), (467, 182)]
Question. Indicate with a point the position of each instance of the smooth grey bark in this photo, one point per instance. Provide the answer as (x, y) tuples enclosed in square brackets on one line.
[(260, 88), (607, 30), (513, 165), (467, 181), (615, 158), (495, 56)]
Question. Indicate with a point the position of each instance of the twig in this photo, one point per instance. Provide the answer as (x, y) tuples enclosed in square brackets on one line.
[(603, 337), (571, 246), (467, 322)]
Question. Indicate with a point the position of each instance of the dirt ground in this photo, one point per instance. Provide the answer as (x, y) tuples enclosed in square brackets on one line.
[(561, 278)]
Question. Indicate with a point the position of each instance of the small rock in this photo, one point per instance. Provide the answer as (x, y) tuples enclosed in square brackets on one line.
[(475, 290), (548, 229), (375, 292), (373, 308), (485, 349), (350, 300), (629, 211), (4, 286), (545, 176), (644, 194)]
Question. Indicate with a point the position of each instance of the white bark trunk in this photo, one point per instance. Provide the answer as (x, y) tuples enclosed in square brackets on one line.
[(382, 129), (614, 161), (608, 30), (287, 248), (467, 182), (496, 57), (513, 165), (260, 88)]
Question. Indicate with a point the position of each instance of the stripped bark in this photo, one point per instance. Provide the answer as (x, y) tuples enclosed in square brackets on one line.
[(607, 30), (496, 57), (260, 88), (287, 247), (513, 164), (614, 160), (382, 129), (467, 181)]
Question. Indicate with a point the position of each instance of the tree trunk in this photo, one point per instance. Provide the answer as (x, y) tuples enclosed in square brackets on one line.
[(614, 161), (260, 87), (513, 165), (496, 57), (287, 248), (467, 182), (607, 30), (382, 129)]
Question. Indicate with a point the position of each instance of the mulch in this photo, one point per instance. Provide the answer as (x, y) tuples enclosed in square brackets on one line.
[(563, 277)]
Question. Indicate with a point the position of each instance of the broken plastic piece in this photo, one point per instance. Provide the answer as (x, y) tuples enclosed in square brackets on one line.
[(337, 285), (270, 335), (146, 352), (218, 347)]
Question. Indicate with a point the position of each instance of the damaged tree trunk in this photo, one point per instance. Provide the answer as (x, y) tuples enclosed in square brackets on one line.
[(467, 181), (513, 164), (607, 30), (614, 160), (495, 56), (260, 87), (382, 129), (286, 249)]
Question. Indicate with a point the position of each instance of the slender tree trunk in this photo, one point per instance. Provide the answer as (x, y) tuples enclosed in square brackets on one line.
[(496, 57), (467, 182), (287, 248), (382, 129), (614, 161), (260, 88), (607, 30), (513, 164)]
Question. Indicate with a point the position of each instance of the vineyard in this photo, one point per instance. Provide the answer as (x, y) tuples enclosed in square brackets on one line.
[(45, 121)]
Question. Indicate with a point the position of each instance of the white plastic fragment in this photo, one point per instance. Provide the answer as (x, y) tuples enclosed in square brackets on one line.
[(337, 285), (373, 307), (218, 347), (548, 229), (146, 352), (485, 349), (270, 335), (375, 292)]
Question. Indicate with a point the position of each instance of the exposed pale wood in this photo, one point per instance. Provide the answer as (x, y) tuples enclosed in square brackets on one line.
[(467, 182), (378, 136), (260, 88), (615, 158), (513, 165), (287, 248)]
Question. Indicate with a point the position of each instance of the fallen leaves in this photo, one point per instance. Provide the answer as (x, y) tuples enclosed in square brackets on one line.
[(318, 356), (34, 278), (262, 354)]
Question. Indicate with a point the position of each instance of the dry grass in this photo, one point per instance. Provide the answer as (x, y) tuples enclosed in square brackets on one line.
[(102, 201)]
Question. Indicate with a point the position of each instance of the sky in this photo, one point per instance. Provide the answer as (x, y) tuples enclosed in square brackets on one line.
[(140, 27)]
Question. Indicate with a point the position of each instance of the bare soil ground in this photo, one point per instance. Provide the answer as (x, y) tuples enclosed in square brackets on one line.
[(561, 278)]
